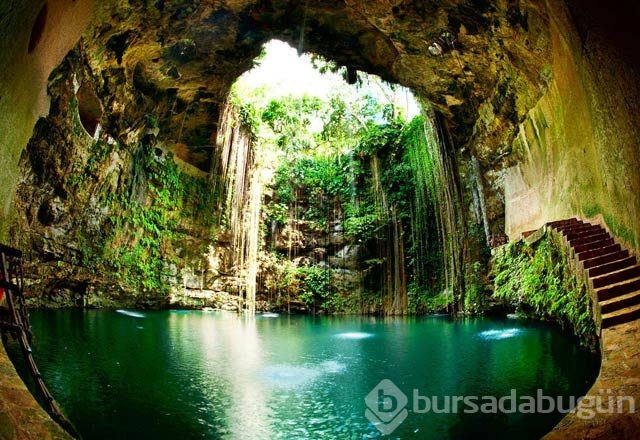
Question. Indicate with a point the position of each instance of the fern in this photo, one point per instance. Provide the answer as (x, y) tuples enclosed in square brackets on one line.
[(537, 281)]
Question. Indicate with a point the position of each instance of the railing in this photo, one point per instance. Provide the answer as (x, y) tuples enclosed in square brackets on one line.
[(14, 321)]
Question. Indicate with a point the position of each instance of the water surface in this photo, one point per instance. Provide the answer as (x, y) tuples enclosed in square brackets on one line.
[(188, 374)]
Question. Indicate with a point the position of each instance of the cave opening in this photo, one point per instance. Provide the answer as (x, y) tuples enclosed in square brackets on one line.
[(329, 144), (89, 109)]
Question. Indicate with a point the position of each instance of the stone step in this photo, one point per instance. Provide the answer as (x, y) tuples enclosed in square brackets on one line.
[(629, 299), (564, 220), (598, 252), (616, 277), (593, 245), (582, 231), (558, 224), (614, 274), (621, 316), (604, 259), (586, 239), (617, 290), (585, 234), (576, 226), (611, 267)]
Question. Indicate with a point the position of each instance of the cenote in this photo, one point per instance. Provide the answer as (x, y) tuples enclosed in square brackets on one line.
[(327, 179), (194, 374)]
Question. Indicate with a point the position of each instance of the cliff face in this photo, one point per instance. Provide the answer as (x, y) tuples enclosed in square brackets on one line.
[(482, 64), (111, 217), (579, 144), (32, 48), (105, 218), (457, 54), (539, 97)]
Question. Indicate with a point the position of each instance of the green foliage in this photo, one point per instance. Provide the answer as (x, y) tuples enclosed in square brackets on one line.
[(249, 116), (383, 138), (284, 185), (426, 301), (476, 285), (387, 143), (315, 288), (99, 152), (322, 64), (151, 121), (538, 281), (278, 213), (476, 282), (372, 191), (321, 181), (426, 254), (363, 228), (136, 244), (351, 160), (312, 286), (290, 119)]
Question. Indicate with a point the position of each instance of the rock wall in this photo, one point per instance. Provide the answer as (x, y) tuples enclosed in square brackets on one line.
[(543, 94), (580, 142), (107, 217), (294, 245), (33, 40), (481, 64)]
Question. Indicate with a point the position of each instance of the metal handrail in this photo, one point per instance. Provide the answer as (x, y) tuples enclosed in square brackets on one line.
[(19, 326)]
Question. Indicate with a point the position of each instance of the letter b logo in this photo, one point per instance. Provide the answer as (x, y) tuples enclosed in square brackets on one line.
[(384, 399), (386, 406)]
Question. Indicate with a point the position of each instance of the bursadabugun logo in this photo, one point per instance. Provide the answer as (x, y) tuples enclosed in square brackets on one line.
[(386, 406)]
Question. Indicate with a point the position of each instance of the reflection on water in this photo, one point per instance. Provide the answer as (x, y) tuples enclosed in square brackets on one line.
[(130, 313), (289, 375), (332, 367), (294, 376), (190, 374), (500, 334), (354, 335)]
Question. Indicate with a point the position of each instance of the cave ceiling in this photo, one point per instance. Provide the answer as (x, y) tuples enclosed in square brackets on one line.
[(482, 64)]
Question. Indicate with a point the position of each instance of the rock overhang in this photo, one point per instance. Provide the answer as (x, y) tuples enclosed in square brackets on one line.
[(481, 64)]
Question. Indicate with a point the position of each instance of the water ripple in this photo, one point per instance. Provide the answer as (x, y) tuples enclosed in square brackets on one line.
[(354, 335), (130, 313), (500, 334)]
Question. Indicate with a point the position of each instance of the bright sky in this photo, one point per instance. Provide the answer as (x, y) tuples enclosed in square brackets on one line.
[(283, 73)]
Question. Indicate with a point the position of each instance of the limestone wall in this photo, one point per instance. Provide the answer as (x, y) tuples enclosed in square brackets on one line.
[(21, 417), (580, 142), (33, 40)]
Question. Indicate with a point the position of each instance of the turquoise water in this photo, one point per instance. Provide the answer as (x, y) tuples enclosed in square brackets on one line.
[(192, 375)]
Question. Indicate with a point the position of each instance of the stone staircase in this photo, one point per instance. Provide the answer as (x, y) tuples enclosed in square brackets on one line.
[(613, 274)]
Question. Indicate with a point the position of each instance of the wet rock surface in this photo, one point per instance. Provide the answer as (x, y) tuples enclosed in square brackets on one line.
[(21, 417), (619, 379)]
